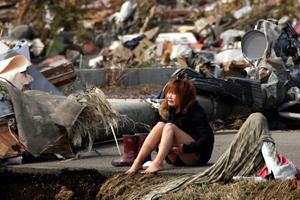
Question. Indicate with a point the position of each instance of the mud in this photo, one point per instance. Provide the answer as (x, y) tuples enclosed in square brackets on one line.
[(77, 184)]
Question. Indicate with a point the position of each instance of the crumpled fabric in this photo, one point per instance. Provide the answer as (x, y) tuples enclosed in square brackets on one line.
[(272, 82), (42, 118)]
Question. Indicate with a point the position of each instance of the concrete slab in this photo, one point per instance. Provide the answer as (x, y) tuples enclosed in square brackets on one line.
[(134, 76), (287, 142), (92, 76), (137, 116)]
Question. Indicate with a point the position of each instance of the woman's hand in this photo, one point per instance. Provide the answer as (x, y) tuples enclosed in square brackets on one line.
[(177, 149)]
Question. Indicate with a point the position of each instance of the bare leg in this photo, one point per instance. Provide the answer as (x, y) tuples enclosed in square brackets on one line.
[(171, 135), (149, 145), (184, 138)]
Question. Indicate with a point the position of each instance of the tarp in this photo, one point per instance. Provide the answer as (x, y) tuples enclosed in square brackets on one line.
[(42, 119)]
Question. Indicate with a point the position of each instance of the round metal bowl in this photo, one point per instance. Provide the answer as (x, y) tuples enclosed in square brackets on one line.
[(253, 45)]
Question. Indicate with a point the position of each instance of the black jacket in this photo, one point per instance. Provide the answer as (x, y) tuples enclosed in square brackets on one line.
[(194, 123)]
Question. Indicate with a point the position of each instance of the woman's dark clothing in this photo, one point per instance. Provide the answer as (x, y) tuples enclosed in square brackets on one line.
[(194, 123)]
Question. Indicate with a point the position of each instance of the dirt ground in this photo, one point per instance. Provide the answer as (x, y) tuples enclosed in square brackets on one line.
[(115, 91), (83, 184), (89, 184), (131, 92)]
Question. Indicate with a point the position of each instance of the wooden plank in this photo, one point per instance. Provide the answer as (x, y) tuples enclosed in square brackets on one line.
[(10, 146), (49, 71), (63, 79), (6, 14), (60, 74)]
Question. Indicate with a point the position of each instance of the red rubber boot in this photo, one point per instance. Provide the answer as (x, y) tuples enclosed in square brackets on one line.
[(130, 148)]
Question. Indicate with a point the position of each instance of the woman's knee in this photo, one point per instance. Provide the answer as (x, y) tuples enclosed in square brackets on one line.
[(169, 127), (160, 125), (157, 129)]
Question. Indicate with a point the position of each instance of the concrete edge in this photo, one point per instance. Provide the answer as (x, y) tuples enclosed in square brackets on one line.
[(127, 77)]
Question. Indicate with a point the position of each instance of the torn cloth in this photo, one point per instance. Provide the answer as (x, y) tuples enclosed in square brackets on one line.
[(243, 157)]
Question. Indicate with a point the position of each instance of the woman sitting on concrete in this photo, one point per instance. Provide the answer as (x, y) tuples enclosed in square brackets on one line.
[(183, 136)]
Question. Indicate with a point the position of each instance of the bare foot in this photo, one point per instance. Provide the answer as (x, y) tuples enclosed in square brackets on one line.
[(133, 169), (153, 168)]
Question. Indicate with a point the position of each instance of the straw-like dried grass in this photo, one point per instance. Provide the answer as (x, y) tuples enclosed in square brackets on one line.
[(239, 190), (97, 111), (125, 186)]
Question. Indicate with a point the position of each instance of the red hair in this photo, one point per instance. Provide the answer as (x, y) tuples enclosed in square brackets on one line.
[(185, 93)]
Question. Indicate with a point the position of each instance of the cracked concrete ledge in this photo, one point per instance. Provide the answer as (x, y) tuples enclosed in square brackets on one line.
[(100, 161)]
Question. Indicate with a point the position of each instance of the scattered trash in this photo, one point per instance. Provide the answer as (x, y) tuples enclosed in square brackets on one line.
[(37, 47), (176, 38), (242, 12), (58, 72), (231, 35)]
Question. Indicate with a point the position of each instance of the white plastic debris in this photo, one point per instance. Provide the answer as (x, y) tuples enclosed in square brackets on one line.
[(94, 62), (242, 12), (125, 12), (285, 171), (147, 164), (37, 47), (270, 156), (181, 50), (295, 93), (230, 55), (229, 36), (125, 38), (210, 7), (249, 178), (114, 45), (49, 16), (227, 1), (176, 38), (155, 103)]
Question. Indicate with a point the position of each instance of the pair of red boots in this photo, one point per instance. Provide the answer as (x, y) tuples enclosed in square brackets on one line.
[(131, 147)]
